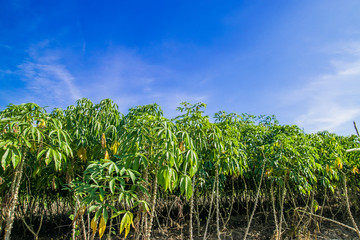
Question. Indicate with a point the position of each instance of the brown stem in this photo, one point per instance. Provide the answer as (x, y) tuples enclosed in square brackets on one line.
[(83, 227), (36, 234), (256, 200), (110, 226), (217, 204), (153, 212), (274, 210), (281, 211), (197, 217), (191, 210), (357, 132), (209, 216), (232, 202), (75, 218), (10, 213), (349, 210), (327, 219)]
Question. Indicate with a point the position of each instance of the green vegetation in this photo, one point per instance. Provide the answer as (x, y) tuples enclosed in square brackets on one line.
[(117, 174)]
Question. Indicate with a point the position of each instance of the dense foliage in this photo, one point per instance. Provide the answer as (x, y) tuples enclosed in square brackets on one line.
[(111, 173)]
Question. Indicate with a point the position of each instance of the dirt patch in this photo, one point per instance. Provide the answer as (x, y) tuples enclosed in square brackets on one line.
[(261, 229)]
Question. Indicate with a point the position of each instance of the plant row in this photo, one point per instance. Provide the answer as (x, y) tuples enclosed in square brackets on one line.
[(129, 174)]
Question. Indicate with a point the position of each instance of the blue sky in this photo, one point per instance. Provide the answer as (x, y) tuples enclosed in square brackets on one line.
[(299, 60)]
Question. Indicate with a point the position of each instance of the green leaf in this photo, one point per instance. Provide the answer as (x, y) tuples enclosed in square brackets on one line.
[(98, 213), (105, 215), (186, 186), (117, 213), (315, 205), (132, 176), (13, 159), (102, 194), (92, 208), (3, 159), (112, 185)]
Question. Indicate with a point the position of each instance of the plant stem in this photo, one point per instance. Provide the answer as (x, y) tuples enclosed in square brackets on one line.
[(349, 210), (274, 210), (191, 210), (10, 214), (282, 210), (217, 204), (256, 200), (153, 211), (209, 215)]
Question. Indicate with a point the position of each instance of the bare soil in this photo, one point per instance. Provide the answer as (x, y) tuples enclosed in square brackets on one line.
[(260, 230)]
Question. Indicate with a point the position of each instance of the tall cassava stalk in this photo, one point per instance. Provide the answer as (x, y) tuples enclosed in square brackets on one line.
[(349, 210), (232, 201), (323, 205), (281, 211), (111, 224), (191, 209), (312, 207), (153, 210), (197, 217), (256, 200), (217, 204), (210, 208), (142, 224), (74, 225), (83, 227), (89, 226), (246, 199), (14, 194), (274, 210)]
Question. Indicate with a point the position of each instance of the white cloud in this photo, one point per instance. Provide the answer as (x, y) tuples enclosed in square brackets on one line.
[(119, 74), (123, 76), (331, 101), (52, 81), (47, 81)]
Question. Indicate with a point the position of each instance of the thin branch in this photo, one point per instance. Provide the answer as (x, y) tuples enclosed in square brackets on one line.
[(349, 210), (353, 149), (327, 219), (357, 132), (256, 199)]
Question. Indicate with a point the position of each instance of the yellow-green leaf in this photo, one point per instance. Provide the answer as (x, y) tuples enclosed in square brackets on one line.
[(126, 222), (93, 225), (102, 227)]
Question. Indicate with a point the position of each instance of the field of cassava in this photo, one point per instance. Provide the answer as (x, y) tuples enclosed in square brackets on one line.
[(90, 172)]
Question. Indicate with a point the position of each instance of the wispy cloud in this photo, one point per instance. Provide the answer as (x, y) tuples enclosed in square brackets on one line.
[(128, 79), (120, 74), (48, 81), (4, 46), (330, 101)]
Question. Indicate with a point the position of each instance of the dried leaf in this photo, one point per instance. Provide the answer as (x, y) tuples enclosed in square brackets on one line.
[(102, 227), (107, 155), (103, 141), (93, 225)]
